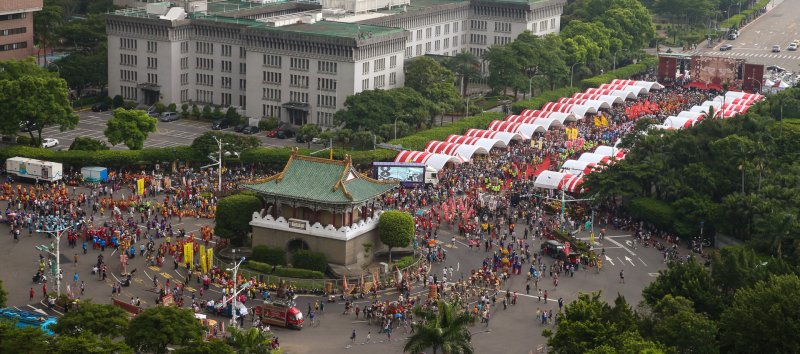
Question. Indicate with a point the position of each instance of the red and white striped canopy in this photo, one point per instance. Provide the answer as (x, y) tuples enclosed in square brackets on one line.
[(637, 90), (531, 116), (535, 113), (453, 149), (486, 143), (572, 183), (596, 104), (437, 161), (625, 95), (610, 99), (505, 137), (650, 85)]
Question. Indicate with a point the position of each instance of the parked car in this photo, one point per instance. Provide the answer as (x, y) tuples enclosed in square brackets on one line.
[(273, 133), (300, 139), (285, 133), (318, 141), (792, 47), (733, 35), (240, 127), (49, 142), (250, 130), (220, 124), (169, 116), (100, 107), (776, 49), (725, 47)]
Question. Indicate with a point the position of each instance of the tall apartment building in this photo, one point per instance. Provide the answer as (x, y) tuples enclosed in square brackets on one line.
[(16, 28), (298, 61)]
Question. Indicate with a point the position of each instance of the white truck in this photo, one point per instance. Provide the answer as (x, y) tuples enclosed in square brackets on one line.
[(34, 169), (409, 174)]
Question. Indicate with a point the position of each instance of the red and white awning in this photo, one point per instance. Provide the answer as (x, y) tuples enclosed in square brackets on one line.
[(505, 137), (650, 85), (610, 99), (526, 130), (465, 151), (580, 110), (625, 95), (529, 116), (436, 161), (596, 104), (486, 143), (636, 90), (579, 168)]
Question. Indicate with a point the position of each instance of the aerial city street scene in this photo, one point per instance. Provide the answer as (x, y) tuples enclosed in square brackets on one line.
[(399, 176)]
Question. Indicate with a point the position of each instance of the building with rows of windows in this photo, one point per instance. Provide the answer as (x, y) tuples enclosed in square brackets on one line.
[(298, 61), (16, 28)]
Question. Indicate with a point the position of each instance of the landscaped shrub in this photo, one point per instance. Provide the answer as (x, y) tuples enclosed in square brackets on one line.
[(283, 272), (233, 216), (267, 254), (305, 259)]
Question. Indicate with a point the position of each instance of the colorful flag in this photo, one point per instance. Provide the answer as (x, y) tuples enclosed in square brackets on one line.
[(140, 185)]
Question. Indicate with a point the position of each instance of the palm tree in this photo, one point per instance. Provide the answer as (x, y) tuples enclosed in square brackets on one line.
[(466, 66), (45, 24), (445, 329), (250, 341)]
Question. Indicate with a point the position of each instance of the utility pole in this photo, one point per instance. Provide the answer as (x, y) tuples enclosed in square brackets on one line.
[(57, 232), (219, 164), (234, 292)]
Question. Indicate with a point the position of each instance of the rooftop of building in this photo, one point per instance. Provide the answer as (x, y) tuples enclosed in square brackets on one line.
[(319, 180), (334, 29)]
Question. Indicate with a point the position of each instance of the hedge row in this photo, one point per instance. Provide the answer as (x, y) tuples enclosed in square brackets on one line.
[(310, 260), (105, 158), (270, 255), (621, 73), (405, 262), (736, 21), (284, 272)]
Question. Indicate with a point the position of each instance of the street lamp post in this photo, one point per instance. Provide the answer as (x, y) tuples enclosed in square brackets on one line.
[(572, 72), (623, 50), (57, 231), (759, 85), (530, 87), (219, 164), (395, 127), (234, 292)]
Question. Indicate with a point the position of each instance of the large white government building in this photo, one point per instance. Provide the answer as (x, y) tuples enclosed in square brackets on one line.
[(295, 60)]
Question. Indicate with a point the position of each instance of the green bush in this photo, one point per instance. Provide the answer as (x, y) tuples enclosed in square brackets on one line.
[(624, 72), (305, 259), (105, 158), (283, 272), (233, 216), (87, 101), (405, 262), (271, 255), (88, 144)]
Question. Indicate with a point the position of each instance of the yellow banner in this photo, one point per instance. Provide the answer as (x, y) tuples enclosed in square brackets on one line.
[(140, 185), (604, 121), (186, 252), (191, 256), (203, 262), (597, 121), (210, 258)]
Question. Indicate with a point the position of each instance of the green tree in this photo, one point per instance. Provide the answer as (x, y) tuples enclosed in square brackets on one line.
[(233, 216), (363, 139), (205, 144), (208, 113), (396, 229), (251, 341), (88, 144), (689, 280), (433, 80), (308, 132), (84, 69), (195, 112), (118, 101), (505, 69), (367, 110), (3, 295), (45, 25), (675, 324), (233, 117), (630, 342), (589, 322), (156, 328), (445, 330), (83, 34), (21, 340), (213, 346), (32, 96), (763, 318), (269, 255), (130, 127), (466, 67), (102, 320), (88, 343), (540, 59)]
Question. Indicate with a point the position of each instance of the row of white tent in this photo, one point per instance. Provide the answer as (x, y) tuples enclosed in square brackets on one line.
[(732, 104), (457, 149)]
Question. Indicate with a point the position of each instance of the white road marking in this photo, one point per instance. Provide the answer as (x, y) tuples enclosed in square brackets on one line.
[(609, 260), (611, 239), (630, 261), (640, 260), (653, 274), (620, 261)]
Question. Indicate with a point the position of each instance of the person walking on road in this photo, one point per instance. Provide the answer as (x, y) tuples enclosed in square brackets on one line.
[(353, 337), (32, 294), (622, 276)]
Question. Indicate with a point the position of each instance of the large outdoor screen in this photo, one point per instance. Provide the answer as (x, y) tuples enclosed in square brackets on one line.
[(413, 174)]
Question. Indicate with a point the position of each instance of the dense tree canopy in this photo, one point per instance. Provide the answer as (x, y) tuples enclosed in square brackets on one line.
[(130, 127), (370, 109), (433, 80), (157, 327), (396, 229), (103, 320)]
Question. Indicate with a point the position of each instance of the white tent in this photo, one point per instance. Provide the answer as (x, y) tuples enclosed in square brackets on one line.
[(580, 110), (549, 180), (636, 90), (650, 85), (465, 151), (596, 158), (436, 161), (578, 168), (679, 122), (596, 104), (610, 99), (529, 116), (505, 137), (693, 115), (485, 143), (526, 130), (625, 95)]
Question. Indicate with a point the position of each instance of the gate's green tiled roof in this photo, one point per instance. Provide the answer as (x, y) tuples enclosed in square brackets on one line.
[(320, 180)]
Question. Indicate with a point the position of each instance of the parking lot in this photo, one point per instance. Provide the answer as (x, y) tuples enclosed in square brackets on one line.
[(169, 134)]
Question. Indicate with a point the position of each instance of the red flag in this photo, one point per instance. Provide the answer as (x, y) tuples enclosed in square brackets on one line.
[(344, 282)]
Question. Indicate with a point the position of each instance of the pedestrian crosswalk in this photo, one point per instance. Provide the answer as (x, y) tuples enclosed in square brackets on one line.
[(737, 54)]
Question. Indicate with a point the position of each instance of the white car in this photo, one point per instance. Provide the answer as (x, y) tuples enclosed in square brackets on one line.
[(49, 142)]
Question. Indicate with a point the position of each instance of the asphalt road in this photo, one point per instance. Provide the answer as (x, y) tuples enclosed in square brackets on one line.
[(515, 329), (779, 26), (178, 133)]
